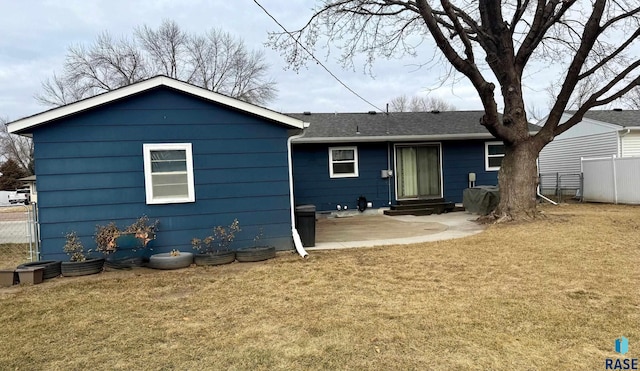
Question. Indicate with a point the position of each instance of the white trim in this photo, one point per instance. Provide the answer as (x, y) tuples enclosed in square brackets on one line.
[(486, 155), (148, 182), (355, 162), (85, 104), (395, 164)]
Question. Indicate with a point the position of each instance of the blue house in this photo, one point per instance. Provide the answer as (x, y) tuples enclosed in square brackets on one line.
[(191, 158), (409, 157)]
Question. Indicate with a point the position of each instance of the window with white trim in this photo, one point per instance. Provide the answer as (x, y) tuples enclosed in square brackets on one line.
[(168, 173), (343, 162), (494, 153)]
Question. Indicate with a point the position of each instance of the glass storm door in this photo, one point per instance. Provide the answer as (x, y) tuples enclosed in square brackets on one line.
[(418, 171)]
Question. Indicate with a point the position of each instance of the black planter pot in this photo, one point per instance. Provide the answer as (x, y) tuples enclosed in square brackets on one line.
[(124, 259), (215, 258), (52, 268), (256, 254), (127, 262), (83, 268), (168, 261)]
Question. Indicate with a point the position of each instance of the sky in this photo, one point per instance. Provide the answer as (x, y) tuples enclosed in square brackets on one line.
[(35, 35)]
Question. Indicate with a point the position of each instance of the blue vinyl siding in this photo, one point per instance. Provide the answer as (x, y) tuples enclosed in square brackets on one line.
[(460, 158), (90, 171), (312, 184)]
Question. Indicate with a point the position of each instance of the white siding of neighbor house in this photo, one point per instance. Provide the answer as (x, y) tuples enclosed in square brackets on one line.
[(563, 155), (586, 127), (630, 144)]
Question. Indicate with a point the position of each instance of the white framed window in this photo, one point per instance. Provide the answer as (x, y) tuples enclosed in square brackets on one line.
[(168, 173), (343, 162), (493, 155)]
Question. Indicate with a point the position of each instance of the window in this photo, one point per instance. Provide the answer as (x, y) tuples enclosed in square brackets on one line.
[(168, 173), (343, 162), (494, 153)]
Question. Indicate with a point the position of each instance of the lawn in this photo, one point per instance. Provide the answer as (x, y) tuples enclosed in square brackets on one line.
[(552, 294), (12, 254)]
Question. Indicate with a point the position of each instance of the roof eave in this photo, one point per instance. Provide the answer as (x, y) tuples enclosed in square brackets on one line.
[(394, 138), (22, 126)]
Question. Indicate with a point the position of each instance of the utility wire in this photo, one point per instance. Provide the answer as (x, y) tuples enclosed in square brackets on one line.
[(316, 59)]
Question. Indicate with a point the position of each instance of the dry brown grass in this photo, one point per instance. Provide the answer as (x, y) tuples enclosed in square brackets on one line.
[(13, 254), (553, 294), (13, 209)]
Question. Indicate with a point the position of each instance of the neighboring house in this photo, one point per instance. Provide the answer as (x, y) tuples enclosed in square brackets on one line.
[(601, 133), (30, 182), (390, 158), (191, 158)]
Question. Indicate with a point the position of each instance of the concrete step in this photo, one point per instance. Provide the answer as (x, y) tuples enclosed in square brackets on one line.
[(411, 206), (438, 208), (415, 211), (422, 201)]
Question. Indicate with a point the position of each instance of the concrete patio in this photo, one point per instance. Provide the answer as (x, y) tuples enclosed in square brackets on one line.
[(363, 230)]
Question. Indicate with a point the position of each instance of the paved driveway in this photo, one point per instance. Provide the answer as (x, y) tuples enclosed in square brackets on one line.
[(375, 230)]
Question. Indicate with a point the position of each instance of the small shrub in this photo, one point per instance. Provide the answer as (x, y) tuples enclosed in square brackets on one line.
[(106, 236), (220, 240), (74, 248)]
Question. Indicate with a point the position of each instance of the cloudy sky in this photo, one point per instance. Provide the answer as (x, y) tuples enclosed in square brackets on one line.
[(36, 34)]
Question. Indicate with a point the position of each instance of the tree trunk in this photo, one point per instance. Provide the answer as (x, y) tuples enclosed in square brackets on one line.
[(518, 180)]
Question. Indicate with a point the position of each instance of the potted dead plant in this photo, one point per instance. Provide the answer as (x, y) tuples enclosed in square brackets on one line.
[(122, 247), (214, 249), (258, 252), (79, 264)]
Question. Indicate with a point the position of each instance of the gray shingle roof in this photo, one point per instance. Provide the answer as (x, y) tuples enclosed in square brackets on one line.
[(393, 126), (622, 118)]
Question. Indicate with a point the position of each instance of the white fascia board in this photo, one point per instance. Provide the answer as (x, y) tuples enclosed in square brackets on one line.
[(104, 98)]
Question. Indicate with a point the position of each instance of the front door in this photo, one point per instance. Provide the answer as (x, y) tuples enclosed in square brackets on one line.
[(418, 171)]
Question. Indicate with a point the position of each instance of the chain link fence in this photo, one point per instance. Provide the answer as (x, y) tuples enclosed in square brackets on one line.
[(18, 235), (561, 186)]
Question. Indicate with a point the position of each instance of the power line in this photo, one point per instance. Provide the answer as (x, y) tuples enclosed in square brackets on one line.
[(316, 59)]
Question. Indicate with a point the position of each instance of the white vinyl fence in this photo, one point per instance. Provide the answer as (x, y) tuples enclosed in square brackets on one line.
[(611, 179)]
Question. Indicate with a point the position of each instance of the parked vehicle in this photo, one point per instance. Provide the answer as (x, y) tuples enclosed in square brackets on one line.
[(20, 196)]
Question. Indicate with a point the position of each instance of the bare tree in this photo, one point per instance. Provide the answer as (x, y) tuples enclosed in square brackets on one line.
[(223, 63), (494, 40), (420, 104), (632, 100), (165, 48), (579, 96), (216, 61), (17, 148), (399, 104)]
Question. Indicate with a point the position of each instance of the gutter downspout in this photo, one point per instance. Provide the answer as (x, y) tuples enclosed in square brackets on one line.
[(621, 136), (297, 241), (538, 186), (389, 168), (545, 198)]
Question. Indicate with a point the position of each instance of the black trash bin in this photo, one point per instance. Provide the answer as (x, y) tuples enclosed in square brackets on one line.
[(306, 224)]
